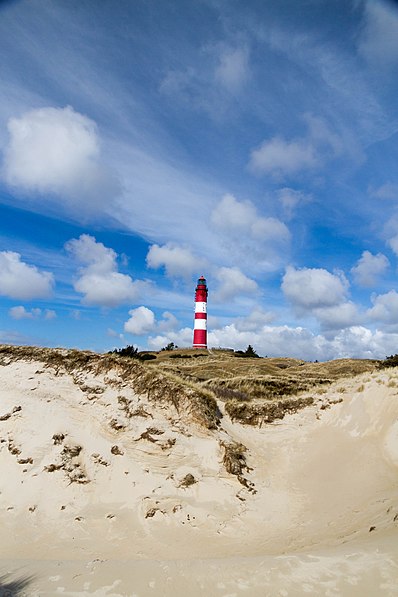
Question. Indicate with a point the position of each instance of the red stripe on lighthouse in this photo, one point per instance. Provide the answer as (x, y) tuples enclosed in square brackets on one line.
[(200, 321)]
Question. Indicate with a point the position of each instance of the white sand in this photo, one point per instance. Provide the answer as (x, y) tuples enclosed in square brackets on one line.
[(320, 523)]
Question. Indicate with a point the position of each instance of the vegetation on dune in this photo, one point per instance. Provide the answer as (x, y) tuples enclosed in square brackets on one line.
[(133, 353), (159, 386), (259, 412), (249, 353), (169, 346), (254, 390), (391, 361)]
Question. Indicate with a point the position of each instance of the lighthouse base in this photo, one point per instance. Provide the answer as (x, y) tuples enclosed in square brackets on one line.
[(199, 345)]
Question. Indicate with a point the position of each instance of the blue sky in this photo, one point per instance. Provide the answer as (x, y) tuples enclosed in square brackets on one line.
[(145, 143)]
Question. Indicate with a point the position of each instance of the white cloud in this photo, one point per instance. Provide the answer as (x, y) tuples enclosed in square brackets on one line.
[(233, 68), (56, 151), (301, 343), (309, 289), (279, 157), (337, 317), (169, 322), (254, 321), (99, 281), (177, 261), (142, 321), (250, 240), (19, 280), (233, 283), (393, 243), (112, 334), (369, 267), (21, 313), (354, 341), (378, 42), (290, 199), (282, 158), (385, 308), (182, 338)]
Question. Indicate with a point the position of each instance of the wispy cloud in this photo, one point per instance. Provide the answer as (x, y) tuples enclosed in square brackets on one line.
[(378, 42)]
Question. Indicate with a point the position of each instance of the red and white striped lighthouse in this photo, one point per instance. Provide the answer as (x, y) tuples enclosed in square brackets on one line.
[(200, 326)]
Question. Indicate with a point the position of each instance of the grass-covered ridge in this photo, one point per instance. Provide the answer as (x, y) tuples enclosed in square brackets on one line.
[(252, 391), (158, 386), (255, 390)]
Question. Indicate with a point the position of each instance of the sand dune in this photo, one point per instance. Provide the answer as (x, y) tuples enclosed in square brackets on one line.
[(105, 491)]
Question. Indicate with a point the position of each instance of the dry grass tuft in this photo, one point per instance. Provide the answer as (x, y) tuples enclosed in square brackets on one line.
[(187, 481), (263, 411), (235, 463)]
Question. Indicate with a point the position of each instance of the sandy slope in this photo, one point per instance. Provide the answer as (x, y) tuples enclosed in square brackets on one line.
[(95, 497)]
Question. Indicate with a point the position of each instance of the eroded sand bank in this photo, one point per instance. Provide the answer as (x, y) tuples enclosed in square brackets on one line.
[(100, 498)]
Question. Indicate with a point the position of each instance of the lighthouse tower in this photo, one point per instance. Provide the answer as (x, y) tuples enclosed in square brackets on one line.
[(200, 326)]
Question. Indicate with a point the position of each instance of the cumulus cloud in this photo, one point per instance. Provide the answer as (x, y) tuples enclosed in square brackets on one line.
[(272, 341), (142, 321), (233, 70), (182, 337), (378, 42), (257, 242), (254, 321), (393, 243), (169, 322), (57, 151), (242, 217), (18, 280), (337, 317), (368, 268), (282, 158), (385, 308), (353, 342), (233, 282), (99, 280), (309, 289), (21, 313), (178, 262)]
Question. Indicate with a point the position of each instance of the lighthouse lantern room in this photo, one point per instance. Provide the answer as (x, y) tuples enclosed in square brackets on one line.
[(200, 325)]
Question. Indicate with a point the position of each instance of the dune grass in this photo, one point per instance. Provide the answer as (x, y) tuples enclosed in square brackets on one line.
[(254, 391)]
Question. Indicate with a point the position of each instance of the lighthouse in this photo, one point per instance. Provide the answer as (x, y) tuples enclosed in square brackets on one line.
[(200, 325)]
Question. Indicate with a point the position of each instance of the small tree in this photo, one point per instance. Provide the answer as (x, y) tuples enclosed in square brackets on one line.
[(128, 351), (391, 361), (250, 352), (170, 346)]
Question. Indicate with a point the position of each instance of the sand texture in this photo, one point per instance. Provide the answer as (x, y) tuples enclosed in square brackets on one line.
[(107, 489)]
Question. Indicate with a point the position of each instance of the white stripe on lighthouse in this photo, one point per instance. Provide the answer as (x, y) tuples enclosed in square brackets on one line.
[(200, 324), (200, 307)]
